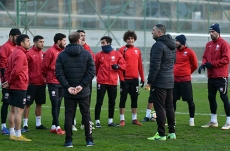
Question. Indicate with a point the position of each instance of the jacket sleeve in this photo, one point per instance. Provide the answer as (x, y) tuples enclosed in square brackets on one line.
[(155, 62), (140, 67), (17, 68), (3, 57), (90, 72), (60, 73), (205, 55), (121, 73), (121, 62), (225, 56), (97, 62), (193, 61), (46, 62)]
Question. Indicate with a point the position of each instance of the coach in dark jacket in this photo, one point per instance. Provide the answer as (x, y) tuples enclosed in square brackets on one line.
[(161, 80), (75, 69)]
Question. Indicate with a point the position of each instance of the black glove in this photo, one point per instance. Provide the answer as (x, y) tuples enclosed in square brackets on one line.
[(202, 67), (123, 85), (208, 65), (115, 66), (142, 83)]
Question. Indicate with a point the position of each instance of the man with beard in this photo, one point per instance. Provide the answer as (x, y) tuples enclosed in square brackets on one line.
[(160, 81), (186, 64), (75, 69), (216, 59), (16, 76), (5, 52), (37, 88), (54, 87)]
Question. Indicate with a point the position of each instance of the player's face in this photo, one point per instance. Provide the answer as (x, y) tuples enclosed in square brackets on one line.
[(62, 43), (82, 35), (213, 34), (178, 45), (155, 33), (130, 41), (104, 42), (26, 44), (39, 44)]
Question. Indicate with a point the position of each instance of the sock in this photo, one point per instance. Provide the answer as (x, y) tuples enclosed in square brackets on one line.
[(110, 120), (74, 122), (3, 125), (122, 117), (18, 133), (191, 119), (97, 121), (58, 127), (25, 122), (38, 120), (214, 118), (228, 120), (12, 132), (53, 127), (148, 112), (134, 116)]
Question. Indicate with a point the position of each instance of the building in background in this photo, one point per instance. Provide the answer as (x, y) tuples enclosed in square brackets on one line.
[(113, 17)]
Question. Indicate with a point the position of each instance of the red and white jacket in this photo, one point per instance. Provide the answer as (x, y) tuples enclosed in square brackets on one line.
[(218, 54), (49, 63), (34, 58), (16, 72), (104, 72)]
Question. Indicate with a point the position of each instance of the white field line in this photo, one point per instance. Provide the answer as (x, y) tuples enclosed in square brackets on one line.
[(202, 114)]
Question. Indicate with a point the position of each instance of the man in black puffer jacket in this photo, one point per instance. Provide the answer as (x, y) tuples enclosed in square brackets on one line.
[(75, 69), (161, 80)]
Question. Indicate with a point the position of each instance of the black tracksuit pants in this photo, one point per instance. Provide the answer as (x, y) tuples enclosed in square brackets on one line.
[(163, 105), (70, 110)]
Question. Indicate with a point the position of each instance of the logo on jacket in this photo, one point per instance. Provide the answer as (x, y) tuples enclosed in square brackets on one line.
[(185, 53), (53, 93), (135, 51), (217, 47), (113, 58), (98, 86), (42, 56)]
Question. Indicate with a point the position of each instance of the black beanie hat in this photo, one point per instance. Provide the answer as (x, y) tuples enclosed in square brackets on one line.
[(15, 31), (215, 27), (181, 39)]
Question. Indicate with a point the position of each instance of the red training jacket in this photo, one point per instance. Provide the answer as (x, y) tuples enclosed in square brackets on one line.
[(186, 64), (218, 54), (86, 47), (49, 63), (104, 72), (134, 67), (16, 72), (34, 58)]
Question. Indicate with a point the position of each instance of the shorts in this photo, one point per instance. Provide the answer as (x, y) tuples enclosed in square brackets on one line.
[(37, 93), (18, 98), (55, 92), (132, 87), (150, 100), (5, 96), (184, 90)]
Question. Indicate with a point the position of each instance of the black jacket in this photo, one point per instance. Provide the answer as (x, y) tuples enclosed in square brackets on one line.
[(75, 66), (162, 59)]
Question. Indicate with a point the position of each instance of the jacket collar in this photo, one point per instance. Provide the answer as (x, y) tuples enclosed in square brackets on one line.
[(21, 48), (36, 49)]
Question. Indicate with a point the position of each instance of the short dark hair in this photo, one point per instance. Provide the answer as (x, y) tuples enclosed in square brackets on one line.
[(107, 39), (128, 34), (21, 38), (14, 31), (74, 37), (37, 37), (59, 36), (80, 31), (161, 27)]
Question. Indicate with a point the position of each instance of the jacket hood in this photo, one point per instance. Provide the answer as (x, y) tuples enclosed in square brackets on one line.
[(167, 39), (73, 49)]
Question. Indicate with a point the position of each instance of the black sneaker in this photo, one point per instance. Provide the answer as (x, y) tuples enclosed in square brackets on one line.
[(112, 125), (25, 129), (146, 119), (89, 143), (68, 144), (41, 127), (98, 125)]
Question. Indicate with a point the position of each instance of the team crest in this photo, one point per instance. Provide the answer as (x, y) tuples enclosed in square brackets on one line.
[(113, 58), (217, 47), (24, 100), (28, 97), (185, 53), (221, 89), (135, 51), (53, 93)]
